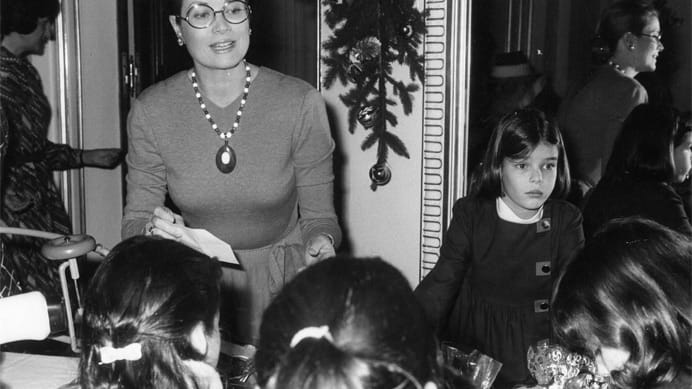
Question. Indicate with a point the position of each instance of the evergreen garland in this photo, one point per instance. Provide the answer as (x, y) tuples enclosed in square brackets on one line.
[(368, 37)]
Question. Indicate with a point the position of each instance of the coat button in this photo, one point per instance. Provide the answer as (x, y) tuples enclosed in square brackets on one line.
[(543, 268), (541, 305)]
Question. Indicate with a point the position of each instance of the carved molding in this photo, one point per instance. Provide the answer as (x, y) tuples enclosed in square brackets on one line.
[(445, 104)]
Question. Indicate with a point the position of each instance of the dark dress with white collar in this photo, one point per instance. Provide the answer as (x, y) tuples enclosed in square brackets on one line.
[(491, 286)]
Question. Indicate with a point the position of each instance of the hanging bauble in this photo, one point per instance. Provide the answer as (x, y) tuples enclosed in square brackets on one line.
[(365, 50), (354, 72), (380, 174), (368, 116), (406, 31)]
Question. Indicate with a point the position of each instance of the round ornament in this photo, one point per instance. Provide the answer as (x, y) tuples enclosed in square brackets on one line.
[(380, 174), (365, 50), (368, 116), (406, 31)]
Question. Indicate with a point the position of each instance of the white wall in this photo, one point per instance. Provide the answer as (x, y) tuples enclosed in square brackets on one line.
[(385, 222), (101, 116), (100, 124)]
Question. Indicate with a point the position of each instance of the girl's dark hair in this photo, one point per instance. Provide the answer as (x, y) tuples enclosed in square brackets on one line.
[(150, 291), (515, 136), (380, 337), (22, 16), (644, 146), (631, 289), (618, 19)]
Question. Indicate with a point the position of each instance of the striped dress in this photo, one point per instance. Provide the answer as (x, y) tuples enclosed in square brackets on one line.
[(30, 198)]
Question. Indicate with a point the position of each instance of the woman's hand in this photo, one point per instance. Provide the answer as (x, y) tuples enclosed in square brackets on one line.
[(169, 225), (102, 158), (318, 248)]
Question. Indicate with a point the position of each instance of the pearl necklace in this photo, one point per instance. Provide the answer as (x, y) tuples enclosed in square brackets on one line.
[(225, 157), (615, 66)]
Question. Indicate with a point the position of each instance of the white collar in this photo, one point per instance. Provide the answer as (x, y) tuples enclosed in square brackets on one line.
[(506, 213)]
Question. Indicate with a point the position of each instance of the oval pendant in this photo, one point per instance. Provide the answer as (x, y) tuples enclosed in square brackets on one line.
[(225, 159)]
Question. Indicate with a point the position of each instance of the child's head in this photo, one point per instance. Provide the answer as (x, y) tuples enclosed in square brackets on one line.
[(346, 323), (644, 147), (151, 307), (523, 144), (627, 301)]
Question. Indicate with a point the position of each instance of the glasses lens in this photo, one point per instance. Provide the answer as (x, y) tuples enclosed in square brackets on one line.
[(200, 15), (235, 12)]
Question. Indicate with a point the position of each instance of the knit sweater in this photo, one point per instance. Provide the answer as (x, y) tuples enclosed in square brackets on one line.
[(284, 161)]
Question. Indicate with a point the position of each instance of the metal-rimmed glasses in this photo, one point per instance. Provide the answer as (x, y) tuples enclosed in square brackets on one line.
[(202, 15), (656, 37)]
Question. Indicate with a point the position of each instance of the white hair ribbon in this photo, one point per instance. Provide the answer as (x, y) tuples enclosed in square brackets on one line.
[(131, 352), (311, 332)]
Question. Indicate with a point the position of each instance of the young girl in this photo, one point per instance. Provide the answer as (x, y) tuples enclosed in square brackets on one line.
[(507, 240), (626, 301), (151, 318), (349, 323)]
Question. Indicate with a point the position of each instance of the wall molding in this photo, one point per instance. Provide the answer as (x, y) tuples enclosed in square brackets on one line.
[(445, 130)]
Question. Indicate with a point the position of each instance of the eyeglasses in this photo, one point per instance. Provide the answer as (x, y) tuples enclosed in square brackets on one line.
[(656, 37), (201, 15)]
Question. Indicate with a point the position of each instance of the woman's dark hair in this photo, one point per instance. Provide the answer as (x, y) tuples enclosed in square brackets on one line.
[(515, 136), (631, 289), (379, 335), (150, 291), (618, 19), (22, 16), (644, 146)]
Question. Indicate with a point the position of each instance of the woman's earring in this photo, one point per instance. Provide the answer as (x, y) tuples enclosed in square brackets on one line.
[(631, 46), (180, 41)]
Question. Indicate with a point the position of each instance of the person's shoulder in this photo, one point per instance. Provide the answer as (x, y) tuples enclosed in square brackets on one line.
[(564, 208), (165, 89), (473, 205), (280, 81)]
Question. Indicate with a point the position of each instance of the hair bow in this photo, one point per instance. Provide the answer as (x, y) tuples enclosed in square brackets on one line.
[(131, 352), (311, 332)]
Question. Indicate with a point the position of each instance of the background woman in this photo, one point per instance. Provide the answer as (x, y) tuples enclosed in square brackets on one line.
[(651, 153), (627, 302), (30, 197), (243, 151), (491, 286), (592, 117)]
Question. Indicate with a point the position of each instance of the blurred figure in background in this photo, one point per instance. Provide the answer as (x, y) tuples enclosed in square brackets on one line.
[(30, 198), (628, 40)]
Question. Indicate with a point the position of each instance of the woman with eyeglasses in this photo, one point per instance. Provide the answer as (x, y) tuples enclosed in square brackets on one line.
[(243, 151), (629, 41)]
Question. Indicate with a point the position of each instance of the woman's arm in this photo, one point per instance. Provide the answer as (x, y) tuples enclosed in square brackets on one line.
[(146, 175), (312, 159)]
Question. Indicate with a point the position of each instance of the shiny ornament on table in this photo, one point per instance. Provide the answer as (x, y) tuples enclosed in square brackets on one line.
[(553, 366)]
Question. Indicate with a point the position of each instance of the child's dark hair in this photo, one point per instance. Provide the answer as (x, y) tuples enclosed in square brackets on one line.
[(631, 289), (644, 146), (22, 16), (152, 292), (373, 332), (515, 136)]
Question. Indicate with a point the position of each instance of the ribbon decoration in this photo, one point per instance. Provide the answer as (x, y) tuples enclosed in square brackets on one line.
[(131, 352)]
